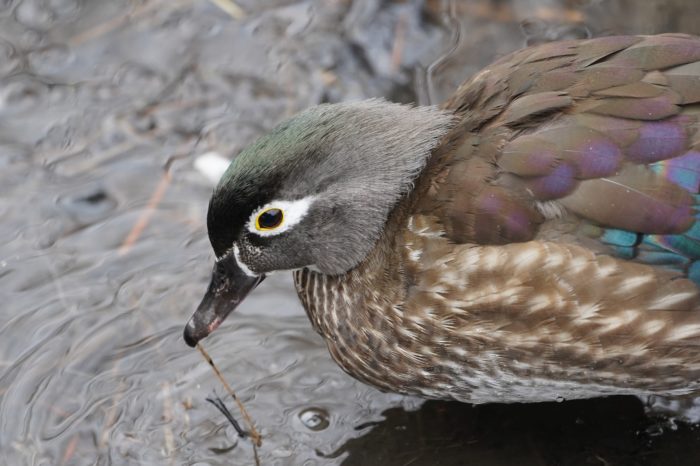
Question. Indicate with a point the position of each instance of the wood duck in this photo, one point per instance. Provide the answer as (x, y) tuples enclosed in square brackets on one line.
[(537, 237)]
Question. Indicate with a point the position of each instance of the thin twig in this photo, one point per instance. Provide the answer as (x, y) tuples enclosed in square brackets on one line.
[(255, 436), (399, 40), (111, 413), (146, 215), (116, 22), (70, 450), (168, 417)]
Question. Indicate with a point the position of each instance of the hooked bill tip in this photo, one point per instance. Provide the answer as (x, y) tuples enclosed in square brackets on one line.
[(189, 335), (193, 332)]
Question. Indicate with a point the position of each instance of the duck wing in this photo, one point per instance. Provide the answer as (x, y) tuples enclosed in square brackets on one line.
[(595, 142)]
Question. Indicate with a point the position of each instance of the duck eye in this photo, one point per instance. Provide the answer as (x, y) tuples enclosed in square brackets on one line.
[(269, 219)]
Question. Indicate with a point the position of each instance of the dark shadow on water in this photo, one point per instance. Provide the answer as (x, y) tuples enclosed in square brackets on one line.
[(607, 431)]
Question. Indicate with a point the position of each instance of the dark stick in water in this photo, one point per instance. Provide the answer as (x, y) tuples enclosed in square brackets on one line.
[(218, 402), (254, 434)]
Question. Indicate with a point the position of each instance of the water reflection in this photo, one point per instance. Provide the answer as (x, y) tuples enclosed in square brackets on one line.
[(608, 431), (103, 107)]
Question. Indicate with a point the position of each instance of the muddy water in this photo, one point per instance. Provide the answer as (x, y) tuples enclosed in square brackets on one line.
[(103, 107)]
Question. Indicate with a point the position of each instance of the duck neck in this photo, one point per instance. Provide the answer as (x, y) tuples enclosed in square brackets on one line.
[(360, 312), (340, 305)]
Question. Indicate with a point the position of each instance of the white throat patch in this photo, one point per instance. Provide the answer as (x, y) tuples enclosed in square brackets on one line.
[(293, 211), (241, 264)]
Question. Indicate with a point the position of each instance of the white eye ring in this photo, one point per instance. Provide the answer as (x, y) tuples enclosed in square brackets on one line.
[(293, 213)]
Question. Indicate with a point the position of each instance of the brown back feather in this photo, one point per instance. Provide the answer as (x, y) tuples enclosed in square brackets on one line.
[(574, 122)]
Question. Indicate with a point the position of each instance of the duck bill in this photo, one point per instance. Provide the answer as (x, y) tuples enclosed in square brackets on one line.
[(228, 288)]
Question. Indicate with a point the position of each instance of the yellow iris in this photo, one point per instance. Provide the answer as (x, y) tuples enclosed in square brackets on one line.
[(269, 219)]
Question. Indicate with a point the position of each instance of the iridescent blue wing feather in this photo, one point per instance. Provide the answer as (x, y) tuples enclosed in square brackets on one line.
[(606, 131)]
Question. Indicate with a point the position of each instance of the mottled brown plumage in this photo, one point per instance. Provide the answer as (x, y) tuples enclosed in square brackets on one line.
[(517, 303), (549, 249)]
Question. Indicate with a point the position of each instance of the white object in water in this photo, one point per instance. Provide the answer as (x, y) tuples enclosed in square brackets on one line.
[(212, 165)]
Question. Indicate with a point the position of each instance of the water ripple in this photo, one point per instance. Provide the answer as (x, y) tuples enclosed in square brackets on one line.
[(96, 97)]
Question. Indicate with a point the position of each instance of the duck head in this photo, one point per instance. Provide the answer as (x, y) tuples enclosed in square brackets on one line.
[(315, 192)]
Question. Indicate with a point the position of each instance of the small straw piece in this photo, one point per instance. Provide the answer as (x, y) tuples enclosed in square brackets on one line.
[(254, 434), (70, 450), (146, 215), (235, 11), (399, 41)]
